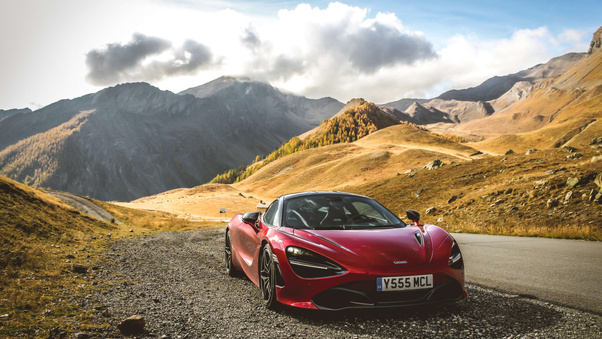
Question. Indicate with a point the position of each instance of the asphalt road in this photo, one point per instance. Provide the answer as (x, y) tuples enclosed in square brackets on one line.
[(568, 272)]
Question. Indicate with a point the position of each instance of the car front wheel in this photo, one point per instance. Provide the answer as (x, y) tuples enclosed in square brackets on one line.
[(267, 278), (228, 256)]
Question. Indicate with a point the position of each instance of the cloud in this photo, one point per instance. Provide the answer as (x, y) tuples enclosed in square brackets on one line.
[(329, 44), (145, 58), (340, 51), (250, 39)]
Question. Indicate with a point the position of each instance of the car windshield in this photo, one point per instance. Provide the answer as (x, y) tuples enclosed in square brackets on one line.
[(331, 211)]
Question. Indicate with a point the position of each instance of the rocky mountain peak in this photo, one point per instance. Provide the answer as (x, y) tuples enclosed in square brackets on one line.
[(596, 45)]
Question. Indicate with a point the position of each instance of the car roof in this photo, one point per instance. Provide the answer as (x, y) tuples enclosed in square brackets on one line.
[(308, 193)]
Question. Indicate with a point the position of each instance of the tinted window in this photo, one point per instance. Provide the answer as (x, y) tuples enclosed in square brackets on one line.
[(331, 211), (270, 213)]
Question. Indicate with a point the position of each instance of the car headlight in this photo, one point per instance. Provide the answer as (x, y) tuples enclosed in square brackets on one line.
[(308, 264), (455, 257)]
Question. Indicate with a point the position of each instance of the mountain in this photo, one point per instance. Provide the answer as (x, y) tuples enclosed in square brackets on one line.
[(9, 112), (134, 140), (495, 87), (455, 107)]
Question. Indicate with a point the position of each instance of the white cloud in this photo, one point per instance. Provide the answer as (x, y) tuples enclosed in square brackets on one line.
[(341, 50)]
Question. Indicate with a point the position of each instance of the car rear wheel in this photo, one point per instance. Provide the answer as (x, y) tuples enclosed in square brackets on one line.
[(267, 278), (228, 256)]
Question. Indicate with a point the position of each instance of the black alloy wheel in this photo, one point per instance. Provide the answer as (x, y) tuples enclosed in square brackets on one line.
[(267, 278), (228, 251)]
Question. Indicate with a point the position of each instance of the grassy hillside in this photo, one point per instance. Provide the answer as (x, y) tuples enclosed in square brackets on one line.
[(548, 114), (359, 118), (41, 237), (385, 153), (517, 194), (38, 233)]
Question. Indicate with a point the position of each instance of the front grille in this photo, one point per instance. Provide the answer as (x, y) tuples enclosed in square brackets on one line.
[(364, 295)]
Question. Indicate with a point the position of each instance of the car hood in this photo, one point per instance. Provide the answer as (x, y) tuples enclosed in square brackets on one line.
[(377, 247)]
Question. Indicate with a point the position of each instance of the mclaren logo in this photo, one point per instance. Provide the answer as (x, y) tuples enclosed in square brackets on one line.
[(400, 262)]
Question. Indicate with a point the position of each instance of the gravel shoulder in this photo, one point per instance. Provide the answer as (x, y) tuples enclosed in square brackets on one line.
[(177, 282)]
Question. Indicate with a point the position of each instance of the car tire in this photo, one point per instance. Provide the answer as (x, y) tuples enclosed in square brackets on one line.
[(230, 269), (267, 278)]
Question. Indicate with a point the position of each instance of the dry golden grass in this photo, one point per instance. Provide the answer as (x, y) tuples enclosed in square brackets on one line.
[(38, 231), (195, 205), (502, 195), (384, 153)]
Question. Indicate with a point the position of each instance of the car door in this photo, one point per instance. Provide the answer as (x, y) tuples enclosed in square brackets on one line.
[(250, 245)]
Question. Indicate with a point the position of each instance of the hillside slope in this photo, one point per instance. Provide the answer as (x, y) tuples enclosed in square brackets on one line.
[(563, 112), (38, 232)]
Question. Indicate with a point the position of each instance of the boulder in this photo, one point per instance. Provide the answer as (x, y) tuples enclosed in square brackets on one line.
[(132, 325), (79, 268), (531, 151), (430, 210), (598, 180), (508, 152), (574, 156), (552, 203), (569, 149), (596, 141), (572, 182), (434, 164)]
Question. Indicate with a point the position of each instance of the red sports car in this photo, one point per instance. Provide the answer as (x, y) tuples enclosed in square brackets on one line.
[(335, 251)]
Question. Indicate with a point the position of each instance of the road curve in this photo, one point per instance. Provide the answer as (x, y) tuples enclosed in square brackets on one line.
[(568, 272)]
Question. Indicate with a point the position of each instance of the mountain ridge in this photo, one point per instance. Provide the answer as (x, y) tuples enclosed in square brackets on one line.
[(134, 140)]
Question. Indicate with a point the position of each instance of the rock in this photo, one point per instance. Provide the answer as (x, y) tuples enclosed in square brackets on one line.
[(596, 158), (132, 325), (417, 194), (70, 256), (57, 333), (596, 141), (539, 183), (131, 231), (79, 268), (595, 45), (598, 180), (592, 195), (82, 335), (552, 203), (572, 182), (508, 152), (452, 199), (568, 149), (574, 156), (568, 196), (531, 151), (597, 146), (430, 210), (434, 164)]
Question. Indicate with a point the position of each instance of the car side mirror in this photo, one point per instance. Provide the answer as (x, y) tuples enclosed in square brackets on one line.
[(413, 215), (251, 218)]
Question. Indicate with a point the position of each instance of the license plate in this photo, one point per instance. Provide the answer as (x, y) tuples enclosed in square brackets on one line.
[(410, 282)]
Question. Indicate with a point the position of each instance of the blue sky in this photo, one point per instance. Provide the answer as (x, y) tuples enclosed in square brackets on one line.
[(379, 50)]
